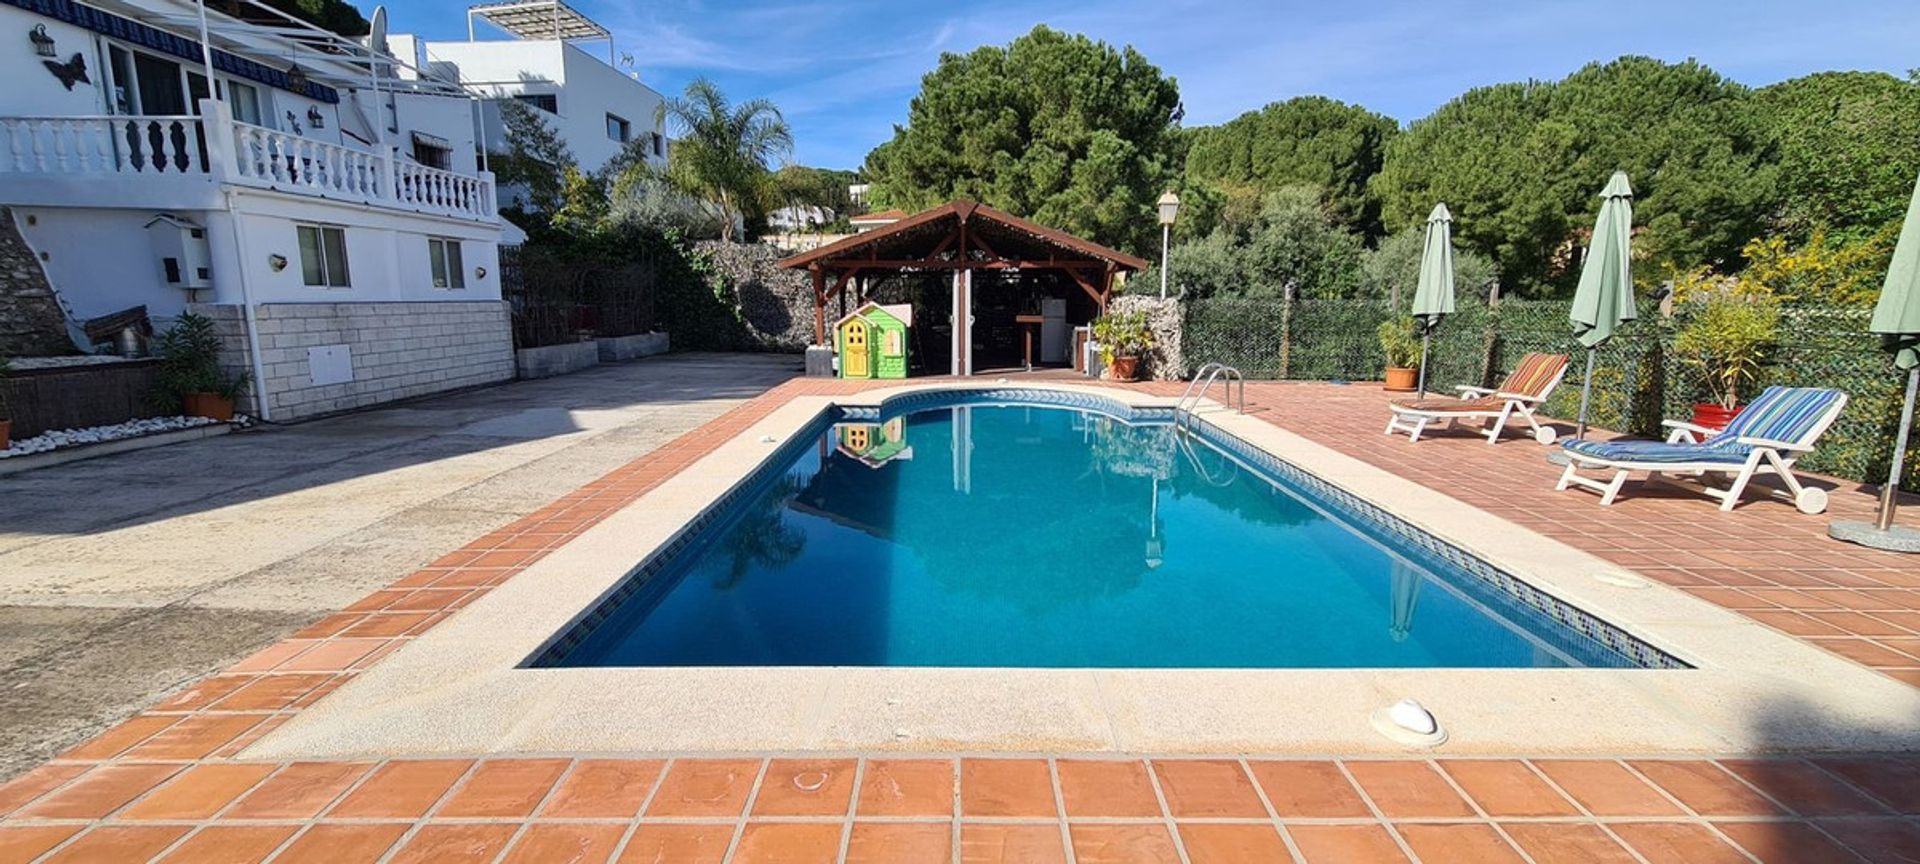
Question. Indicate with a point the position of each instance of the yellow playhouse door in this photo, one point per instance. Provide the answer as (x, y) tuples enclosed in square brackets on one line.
[(856, 362)]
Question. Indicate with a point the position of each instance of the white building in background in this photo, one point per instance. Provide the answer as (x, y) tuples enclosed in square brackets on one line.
[(324, 203), (592, 105)]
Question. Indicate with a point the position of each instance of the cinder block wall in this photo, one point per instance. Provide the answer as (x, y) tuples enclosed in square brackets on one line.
[(397, 350)]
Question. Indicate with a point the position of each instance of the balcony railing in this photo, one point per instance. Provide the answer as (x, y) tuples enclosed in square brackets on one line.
[(102, 145), (127, 148)]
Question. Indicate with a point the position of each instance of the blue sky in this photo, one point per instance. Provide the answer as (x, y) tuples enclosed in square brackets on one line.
[(845, 71)]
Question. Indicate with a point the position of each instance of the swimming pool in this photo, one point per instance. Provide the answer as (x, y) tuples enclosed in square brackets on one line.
[(987, 529)]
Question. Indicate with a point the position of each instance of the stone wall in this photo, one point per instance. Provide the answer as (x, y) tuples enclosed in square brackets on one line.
[(31, 323), (394, 351), (776, 305), (1165, 319)]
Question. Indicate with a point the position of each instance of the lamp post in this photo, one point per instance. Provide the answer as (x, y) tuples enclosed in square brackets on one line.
[(1169, 208)]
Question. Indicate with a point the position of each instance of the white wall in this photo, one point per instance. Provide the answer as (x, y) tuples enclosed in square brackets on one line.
[(30, 89), (585, 88), (100, 260)]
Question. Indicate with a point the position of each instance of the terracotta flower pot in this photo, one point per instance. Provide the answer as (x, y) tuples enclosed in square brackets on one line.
[(208, 405), (6, 433), (1401, 379), (1124, 368), (1713, 415)]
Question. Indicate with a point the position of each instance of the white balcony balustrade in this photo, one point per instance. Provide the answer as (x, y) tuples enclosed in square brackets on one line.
[(96, 160)]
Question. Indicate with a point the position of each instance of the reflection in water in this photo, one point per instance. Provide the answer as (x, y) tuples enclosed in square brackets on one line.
[(763, 539), (1406, 596)]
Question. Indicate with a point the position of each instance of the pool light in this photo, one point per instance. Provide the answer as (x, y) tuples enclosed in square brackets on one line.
[(1408, 722)]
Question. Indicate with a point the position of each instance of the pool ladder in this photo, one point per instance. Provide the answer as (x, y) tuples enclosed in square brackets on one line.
[(1203, 379)]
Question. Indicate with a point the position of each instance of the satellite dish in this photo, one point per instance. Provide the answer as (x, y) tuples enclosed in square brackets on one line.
[(377, 31)]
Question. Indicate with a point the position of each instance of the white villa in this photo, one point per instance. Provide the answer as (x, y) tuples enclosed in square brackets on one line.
[(592, 105), (323, 200)]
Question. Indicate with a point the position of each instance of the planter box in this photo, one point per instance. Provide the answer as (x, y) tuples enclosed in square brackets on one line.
[(552, 360), (615, 349)]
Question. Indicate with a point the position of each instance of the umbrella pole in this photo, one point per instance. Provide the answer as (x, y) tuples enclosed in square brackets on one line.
[(1424, 336), (1586, 392), (1890, 494)]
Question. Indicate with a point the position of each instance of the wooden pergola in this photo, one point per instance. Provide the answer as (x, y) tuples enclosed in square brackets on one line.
[(958, 237)]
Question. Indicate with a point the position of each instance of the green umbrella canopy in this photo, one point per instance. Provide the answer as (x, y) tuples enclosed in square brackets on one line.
[(1897, 317), (1605, 296), (1433, 295)]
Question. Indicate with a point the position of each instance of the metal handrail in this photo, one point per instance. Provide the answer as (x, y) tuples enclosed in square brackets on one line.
[(1203, 379)]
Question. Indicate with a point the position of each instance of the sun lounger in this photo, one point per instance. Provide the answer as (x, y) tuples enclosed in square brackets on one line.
[(1520, 394), (1768, 437)]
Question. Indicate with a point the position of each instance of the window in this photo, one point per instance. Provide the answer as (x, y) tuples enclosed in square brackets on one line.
[(544, 101), (444, 253), (659, 144), (245, 101), (431, 154), (323, 256), (618, 129)]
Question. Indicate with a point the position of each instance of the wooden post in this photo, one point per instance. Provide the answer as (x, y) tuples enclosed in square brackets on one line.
[(819, 306), (1286, 329)]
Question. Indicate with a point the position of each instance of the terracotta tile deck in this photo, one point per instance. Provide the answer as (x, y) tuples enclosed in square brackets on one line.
[(165, 785)]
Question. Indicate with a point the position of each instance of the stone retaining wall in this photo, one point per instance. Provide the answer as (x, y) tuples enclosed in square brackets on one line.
[(31, 322), (386, 351)]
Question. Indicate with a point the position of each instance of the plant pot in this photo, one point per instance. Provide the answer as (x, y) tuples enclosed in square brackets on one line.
[(1124, 368), (1713, 415), (1401, 379), (208, 405), (6, 434)]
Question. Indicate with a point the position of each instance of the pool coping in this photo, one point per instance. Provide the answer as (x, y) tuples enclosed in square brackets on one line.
[(460, 688)]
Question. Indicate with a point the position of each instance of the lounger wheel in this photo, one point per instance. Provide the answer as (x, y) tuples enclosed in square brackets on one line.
[(1546, 434), (1811, 501)]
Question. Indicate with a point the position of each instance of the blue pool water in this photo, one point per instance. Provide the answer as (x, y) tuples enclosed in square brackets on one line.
[(1029, 536)]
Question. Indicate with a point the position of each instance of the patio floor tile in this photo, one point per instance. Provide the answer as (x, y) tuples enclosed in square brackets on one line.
[(1567, 843), (401, 789), (806, 787), (1465, 843), (1784, 842), (1607, 788), (27, 842), (705, 787), (907, 787), (1404, 790), (1336, 844), (453, 844), (113, 843), (603, 788), (230, 844), (1678, 843), (299, 791), (99, 792), (1507, 788), (1231, 844), (1706, 789), (502, 788), (341, 844), (1895, 781), (199, 792), (655, 843), (1806, 789), (1876, 840), (901, 843), (1123, 844), (36, 783), (546, 842), (788, 843), (991, 843), (1006, 787), (1100, 787), (1308, 790), (1207, 788)]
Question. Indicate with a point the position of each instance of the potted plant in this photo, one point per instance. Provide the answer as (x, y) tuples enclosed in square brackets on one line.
[(6, 421), (1724, 339), (1400, 342), (1124, 339), (190, 368)]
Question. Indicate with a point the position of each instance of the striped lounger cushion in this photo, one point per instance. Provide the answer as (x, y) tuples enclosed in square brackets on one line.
[(1780, 414), (1532, 376)]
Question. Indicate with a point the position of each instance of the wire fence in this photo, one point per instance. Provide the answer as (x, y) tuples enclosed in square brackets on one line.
[(1637, 380), (556, 299)]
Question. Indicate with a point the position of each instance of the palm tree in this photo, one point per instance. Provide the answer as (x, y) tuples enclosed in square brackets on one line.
[(721, 151)]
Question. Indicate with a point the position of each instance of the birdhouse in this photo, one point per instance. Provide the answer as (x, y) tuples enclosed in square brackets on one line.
[(872, 341)]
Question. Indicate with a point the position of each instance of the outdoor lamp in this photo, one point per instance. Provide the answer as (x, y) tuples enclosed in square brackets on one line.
[(315, 119), (42, 43), (1169, 208), (296, 78)]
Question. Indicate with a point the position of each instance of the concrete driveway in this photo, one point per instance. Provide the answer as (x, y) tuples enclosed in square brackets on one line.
[(127, 576)]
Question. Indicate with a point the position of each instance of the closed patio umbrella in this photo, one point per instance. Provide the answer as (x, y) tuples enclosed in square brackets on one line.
[(1433, 294), (1897, 320), (1605, 297)]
